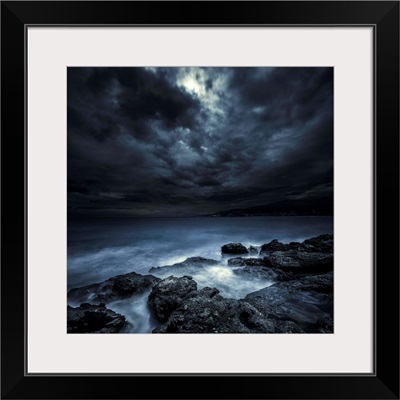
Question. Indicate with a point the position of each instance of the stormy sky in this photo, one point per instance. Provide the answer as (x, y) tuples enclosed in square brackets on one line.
[(194, 141)]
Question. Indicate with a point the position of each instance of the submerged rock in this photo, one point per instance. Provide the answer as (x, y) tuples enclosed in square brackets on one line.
[(88, 318), (168, 295), (234, 248), (190, 265), (304, 301), (116, 288), (205, 311)]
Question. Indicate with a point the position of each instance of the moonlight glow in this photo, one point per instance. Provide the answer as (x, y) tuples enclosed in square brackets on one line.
[(193, 141)]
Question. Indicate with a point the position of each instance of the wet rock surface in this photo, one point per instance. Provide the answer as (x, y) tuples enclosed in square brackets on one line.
[(314, 255), (250, 262), (318, 244), (116, 288), (300, 261), (234, 248), (253, 250), (325, 325), (89, 318), (190, 265), (288, 261), (266, 273), (306, 301), (297, 297), (275, 245), (169, 294), (205, 311)]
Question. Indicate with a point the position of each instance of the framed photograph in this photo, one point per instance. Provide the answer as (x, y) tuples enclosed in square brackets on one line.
[(200, 195)]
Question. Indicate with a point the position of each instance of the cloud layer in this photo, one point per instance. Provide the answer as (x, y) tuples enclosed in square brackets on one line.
[(190, 141)]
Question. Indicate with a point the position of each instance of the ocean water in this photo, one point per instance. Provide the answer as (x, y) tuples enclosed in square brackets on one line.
[(102, 248)]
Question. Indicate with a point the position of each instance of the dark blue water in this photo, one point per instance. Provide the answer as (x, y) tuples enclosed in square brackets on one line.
[(101, 248)]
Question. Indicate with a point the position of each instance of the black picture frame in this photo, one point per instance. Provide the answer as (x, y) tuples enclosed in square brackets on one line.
[(383, 383)]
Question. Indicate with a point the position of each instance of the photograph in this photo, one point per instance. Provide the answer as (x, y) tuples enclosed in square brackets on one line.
[(200, 200), (217, 170)]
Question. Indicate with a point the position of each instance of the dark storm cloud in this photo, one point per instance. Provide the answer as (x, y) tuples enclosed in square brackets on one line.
[(184, 141)]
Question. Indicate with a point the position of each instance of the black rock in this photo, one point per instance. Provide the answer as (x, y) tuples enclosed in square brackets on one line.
[(253, 250), (287, 327), (319, 283), (116, 288), (300, 261), (260, 268), (275, 245), (304, 301), (266, 273), (234, 248), (251, 262), (205, 311), (88, 318), (190, 265), (325, 325), (319, 244), (168, 295)]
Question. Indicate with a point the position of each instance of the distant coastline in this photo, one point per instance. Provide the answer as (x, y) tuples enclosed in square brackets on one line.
[(277, 209)]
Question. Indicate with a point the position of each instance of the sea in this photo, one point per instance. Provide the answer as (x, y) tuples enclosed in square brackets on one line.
[(100, 248)]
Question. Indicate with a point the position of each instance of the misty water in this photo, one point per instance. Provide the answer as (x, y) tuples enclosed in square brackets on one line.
[(99, 249)]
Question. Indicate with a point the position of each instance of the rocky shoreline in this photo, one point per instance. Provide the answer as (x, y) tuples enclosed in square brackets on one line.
[(300, 299)]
